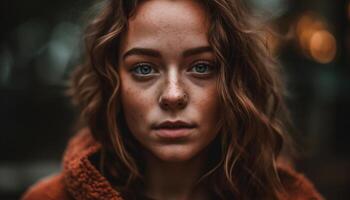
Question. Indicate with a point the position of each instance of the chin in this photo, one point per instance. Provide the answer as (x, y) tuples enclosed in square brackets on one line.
[(174, 153)]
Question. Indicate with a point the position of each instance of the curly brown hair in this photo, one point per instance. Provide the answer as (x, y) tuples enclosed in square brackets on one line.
[(251, 93)]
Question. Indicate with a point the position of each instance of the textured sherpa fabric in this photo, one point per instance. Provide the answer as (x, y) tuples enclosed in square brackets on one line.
[(80, 180)]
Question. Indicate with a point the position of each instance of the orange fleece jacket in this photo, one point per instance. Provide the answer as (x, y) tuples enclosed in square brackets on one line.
[(80, 180)]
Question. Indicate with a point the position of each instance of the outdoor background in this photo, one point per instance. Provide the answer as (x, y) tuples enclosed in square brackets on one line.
[(40, 43)]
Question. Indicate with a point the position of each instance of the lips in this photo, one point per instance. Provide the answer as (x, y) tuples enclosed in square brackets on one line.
[(174, 125), (173, 129)]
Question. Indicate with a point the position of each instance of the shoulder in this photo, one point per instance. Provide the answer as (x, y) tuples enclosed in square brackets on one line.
[(49, 188), (296, 185)]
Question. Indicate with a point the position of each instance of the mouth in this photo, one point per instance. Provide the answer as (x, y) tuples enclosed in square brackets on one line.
[(174, 125), (174, 129)]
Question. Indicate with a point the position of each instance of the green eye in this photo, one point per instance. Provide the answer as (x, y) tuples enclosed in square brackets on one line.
[(143, 69)]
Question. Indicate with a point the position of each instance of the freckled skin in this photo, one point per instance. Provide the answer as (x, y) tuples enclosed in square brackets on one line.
[(169, 27)]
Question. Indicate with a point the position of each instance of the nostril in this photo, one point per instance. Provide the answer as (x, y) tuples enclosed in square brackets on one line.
[(173, 102), (180, 103)]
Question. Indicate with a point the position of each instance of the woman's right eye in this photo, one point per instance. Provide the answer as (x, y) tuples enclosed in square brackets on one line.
[(143, 69)]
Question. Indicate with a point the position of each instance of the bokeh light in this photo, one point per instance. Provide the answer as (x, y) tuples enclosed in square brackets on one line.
[(322, 46), (314, 39)]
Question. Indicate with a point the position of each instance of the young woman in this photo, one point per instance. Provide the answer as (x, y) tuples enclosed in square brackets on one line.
[(179, 100)]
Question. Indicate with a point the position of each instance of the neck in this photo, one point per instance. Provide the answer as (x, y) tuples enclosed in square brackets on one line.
[(174, 180)]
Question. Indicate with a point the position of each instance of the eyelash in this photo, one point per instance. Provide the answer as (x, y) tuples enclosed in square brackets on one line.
[(207, 64)]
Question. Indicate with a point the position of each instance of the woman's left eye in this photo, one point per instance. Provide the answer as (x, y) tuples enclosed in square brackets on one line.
[(202, 68)]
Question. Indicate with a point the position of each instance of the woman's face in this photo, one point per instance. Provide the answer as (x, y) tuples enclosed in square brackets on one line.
[(167, 73)]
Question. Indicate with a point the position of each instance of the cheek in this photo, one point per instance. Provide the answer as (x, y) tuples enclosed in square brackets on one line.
[(209, 109), (208, 106), (135, 111)]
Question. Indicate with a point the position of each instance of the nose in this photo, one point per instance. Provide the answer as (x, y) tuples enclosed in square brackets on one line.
[(173, 96)]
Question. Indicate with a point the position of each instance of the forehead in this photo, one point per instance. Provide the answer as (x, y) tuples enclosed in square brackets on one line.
[(169, 15), (171, 22)]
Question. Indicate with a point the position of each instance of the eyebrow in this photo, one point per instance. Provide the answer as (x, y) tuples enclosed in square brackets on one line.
[(197, 50), (155, 53), (142, 51)]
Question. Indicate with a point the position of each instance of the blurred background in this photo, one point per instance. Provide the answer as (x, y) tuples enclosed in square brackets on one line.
[(40, 43)]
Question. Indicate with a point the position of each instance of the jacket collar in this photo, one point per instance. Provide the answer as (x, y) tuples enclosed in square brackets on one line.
[(85, 182), (81, 177)]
